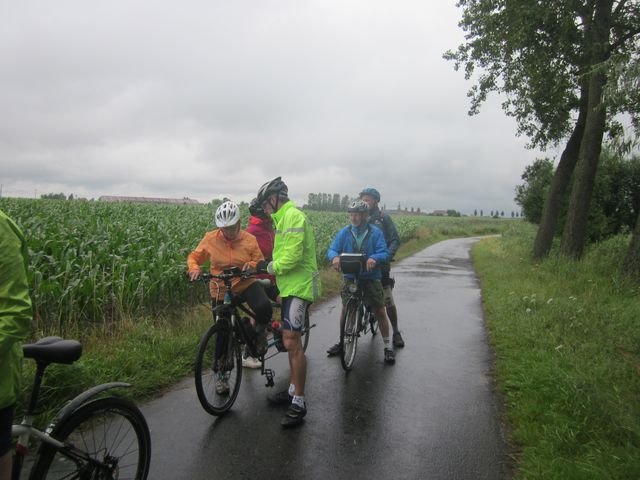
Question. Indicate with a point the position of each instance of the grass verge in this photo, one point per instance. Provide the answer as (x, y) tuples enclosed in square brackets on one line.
[(567, 341)]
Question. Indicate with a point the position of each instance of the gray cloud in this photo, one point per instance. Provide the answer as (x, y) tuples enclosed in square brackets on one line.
[(209, 98)]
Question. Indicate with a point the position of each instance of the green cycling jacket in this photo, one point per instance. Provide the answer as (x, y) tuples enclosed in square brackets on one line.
[(294, 254), (15, 308)]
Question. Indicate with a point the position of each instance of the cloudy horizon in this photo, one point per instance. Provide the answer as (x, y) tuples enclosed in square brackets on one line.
[(211, 99)]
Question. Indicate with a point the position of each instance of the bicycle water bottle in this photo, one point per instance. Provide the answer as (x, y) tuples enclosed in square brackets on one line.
[(227, 298)]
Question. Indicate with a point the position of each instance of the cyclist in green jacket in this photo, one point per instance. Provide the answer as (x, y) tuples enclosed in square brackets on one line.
[(297, 277), (15, 325)]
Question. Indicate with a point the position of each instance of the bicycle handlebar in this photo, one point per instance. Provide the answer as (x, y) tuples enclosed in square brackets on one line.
[(227, 274)]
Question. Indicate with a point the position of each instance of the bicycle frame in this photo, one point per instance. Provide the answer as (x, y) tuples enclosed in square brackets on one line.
[(25, 430), (230, 309)]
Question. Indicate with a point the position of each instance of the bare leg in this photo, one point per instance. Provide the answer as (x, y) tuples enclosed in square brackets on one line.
[(392, 313), (382, 321), (297, 360)]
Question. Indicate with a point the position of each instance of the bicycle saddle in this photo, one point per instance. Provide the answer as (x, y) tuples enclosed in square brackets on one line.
[(53, 350)]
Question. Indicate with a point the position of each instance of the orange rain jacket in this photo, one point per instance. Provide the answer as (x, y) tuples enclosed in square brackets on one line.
[(223, 253)]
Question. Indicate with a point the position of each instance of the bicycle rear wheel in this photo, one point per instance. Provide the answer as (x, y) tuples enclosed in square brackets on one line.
[(349, 334), (112, 431), (218, 369)]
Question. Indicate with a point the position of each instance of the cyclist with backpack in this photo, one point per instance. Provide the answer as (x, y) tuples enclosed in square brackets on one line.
[(361, 237), (380, 219)]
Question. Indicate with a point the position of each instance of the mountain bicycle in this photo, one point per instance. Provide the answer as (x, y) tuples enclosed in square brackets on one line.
[(357, 318), (90, 437), (218, 367)]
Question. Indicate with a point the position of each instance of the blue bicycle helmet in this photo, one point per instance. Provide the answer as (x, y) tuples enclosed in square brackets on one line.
[(371, 191)]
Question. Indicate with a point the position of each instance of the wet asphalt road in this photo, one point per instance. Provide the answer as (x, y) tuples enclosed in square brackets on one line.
[(432, 415)]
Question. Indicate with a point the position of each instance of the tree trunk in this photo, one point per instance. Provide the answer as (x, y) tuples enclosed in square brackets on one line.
[(560, 182), (575, 228), (631, 265)]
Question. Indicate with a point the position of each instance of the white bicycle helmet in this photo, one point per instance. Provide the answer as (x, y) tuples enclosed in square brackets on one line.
[(227, 214)]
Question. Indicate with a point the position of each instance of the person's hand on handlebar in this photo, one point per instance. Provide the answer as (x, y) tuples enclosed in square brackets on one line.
[(194, 275), (264, 266), (371, 264), (249, 267), (335, 263)]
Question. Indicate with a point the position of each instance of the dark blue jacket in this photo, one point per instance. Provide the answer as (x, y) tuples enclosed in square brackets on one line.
[(373, 246), (384, 222)]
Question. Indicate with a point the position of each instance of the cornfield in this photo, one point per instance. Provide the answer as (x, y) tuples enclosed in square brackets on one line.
[(93, 262)]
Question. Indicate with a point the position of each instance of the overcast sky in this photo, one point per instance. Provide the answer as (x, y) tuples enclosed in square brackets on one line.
[(205, 99)]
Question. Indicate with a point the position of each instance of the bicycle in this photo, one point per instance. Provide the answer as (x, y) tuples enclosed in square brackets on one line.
[(89, 438), (218, 367), (357, 318)]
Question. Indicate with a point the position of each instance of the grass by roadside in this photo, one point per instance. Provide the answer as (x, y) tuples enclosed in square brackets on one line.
[(567, 342), (154, 353)]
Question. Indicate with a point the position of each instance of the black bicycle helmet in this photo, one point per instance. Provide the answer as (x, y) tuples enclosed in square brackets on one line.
[(256, 209), (358, 206), (371, 191), (273, 187)]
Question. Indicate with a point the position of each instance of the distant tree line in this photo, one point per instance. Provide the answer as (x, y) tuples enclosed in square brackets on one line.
[(331, 202), (56, 196)]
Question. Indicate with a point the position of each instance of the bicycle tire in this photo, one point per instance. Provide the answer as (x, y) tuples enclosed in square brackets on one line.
[(208, 371), (349, 334), (111, 430)]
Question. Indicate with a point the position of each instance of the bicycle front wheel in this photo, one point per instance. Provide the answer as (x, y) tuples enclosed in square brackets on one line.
[(218, 370), (349, 334), (110, 439)]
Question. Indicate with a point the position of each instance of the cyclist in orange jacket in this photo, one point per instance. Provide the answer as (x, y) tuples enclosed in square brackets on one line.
[(226, 247)]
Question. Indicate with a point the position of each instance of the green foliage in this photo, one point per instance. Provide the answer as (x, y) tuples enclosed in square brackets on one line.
[(94, 263), (568, 356), (616, 194), (151, 355), (532, 193), (54, 196), (537, 54), (327, 202)]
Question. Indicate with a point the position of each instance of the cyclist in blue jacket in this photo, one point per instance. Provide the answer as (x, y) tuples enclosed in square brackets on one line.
[(361, 237)]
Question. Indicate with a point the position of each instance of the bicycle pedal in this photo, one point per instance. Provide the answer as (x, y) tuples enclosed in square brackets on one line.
[(269, 373)]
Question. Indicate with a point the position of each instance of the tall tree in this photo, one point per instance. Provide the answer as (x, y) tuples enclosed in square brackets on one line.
[(551, 59), (597, 45)]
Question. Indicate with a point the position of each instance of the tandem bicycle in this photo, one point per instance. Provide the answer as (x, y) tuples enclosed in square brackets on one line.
[(218, 367)]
